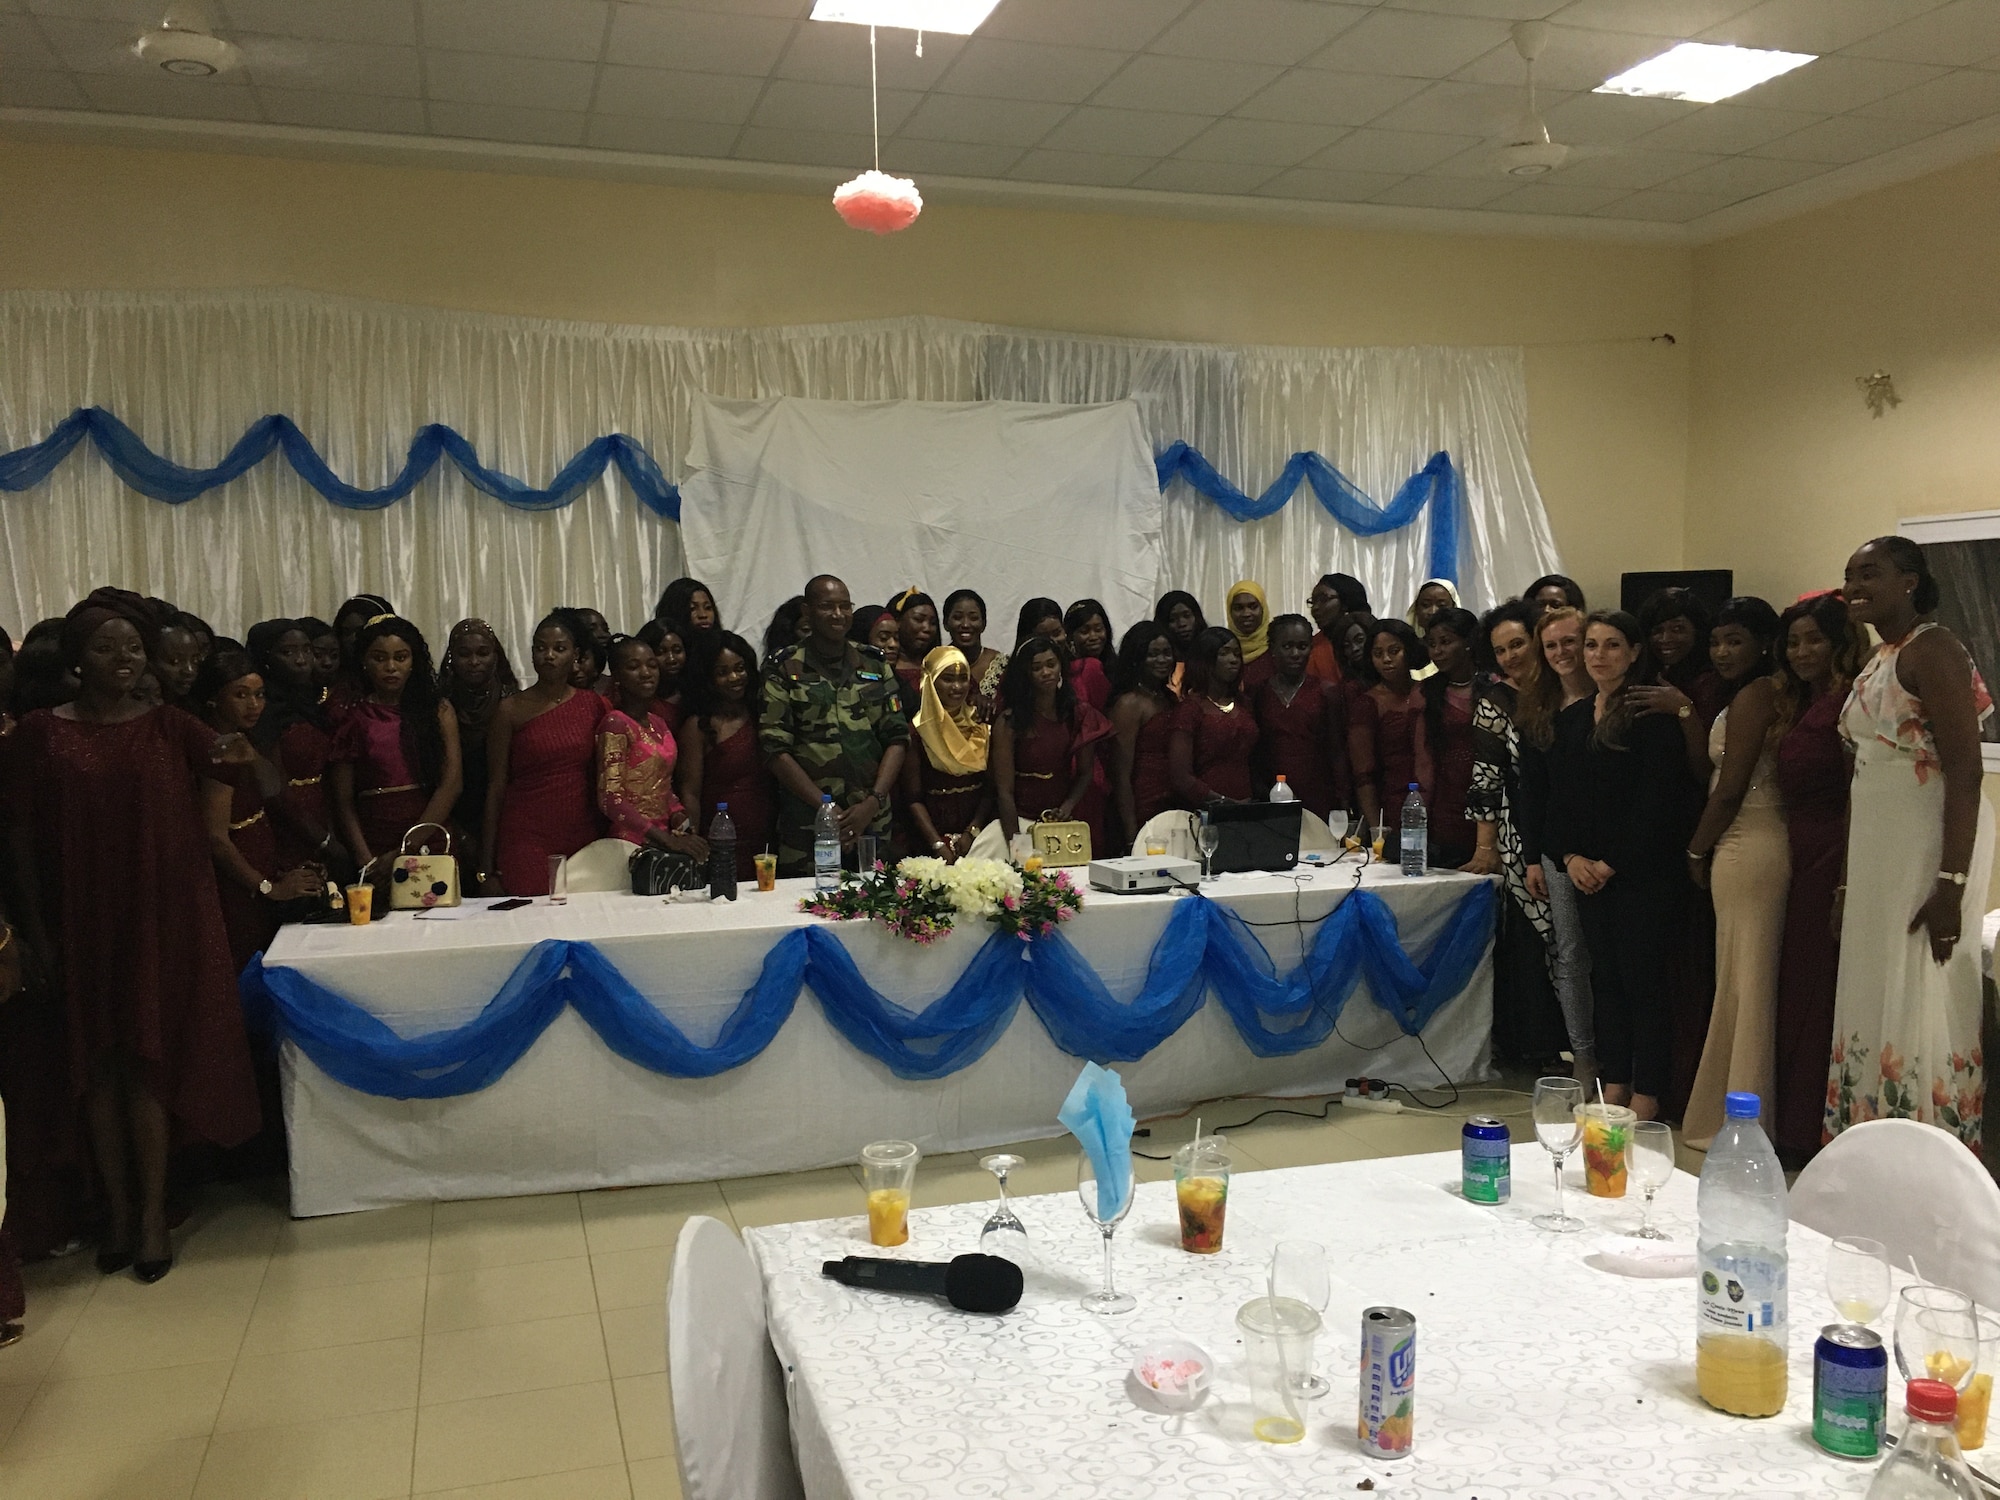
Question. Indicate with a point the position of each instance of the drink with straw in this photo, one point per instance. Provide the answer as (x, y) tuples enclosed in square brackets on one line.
[(1201, 1190), (1605, 1130)]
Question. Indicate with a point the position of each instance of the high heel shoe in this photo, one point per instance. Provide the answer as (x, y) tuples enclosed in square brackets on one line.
[(150, 1271), (111, 1262)]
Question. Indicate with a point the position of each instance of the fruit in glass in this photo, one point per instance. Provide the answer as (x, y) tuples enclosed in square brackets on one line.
[(888, 1217), (1203, 1203)]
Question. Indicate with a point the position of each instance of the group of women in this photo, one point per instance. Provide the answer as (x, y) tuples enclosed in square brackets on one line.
[(1666, 800)]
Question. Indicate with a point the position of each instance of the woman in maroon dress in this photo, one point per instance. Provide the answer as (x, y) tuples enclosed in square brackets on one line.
[(1088, 629), (1142, 719), (1385, 731), (349, 685), (474, 678), (242, 838), (395, 755), (113, 866), (1045, 745), (1450, 639), (670, 651), (721, 760), (291, 735), (1301, 722), (917, 634), (1822, 650), (541, 764), (1044, 617), (1215, 733), (965, 628), (946, 796)]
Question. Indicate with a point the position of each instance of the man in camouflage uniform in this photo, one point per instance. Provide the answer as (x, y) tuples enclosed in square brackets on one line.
[(832, 724)]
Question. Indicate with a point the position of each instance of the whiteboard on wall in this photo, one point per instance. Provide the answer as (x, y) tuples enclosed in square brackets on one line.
[(1012, 499)]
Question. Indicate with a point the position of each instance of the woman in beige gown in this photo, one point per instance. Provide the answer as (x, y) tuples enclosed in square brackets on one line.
[(1741, 852)]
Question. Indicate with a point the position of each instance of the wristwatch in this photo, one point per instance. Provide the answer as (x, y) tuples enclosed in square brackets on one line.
[(264, 887)]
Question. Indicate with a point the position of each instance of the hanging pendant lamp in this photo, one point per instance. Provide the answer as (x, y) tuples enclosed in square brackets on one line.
[(875, 201)]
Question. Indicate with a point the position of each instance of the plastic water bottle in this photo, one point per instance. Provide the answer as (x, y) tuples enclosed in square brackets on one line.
[(1282, 793), (1925, 1463), (1416, 833), (1740, 1292), (721, 855), (826, 845)]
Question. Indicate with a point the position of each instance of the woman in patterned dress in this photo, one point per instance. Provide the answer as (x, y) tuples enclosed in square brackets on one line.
[(965, 628), (635, 758), (1919, 854)]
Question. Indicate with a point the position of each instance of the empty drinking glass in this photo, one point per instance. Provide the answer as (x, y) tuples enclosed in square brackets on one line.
[(1298, 1273), (1857, 1278), (1937, 1335), (1649, 1161), (1004, 1235), (558, 879), (1109, 1300), (1556, 1127), (1208, 839)]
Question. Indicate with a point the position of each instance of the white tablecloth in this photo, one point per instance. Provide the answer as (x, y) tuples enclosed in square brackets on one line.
[(1538, 1375), (572, 1114)]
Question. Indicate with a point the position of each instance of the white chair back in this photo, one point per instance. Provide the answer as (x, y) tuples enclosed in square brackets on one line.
[(602, 866), (732, 1427), (1173, 828), (989, 843), (1316, 835), (1918, 1190)]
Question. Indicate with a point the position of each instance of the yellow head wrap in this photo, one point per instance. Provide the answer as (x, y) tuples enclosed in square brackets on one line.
[(1254, 644), (956, 742)]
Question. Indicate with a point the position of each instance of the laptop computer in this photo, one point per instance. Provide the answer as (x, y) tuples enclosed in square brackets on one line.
[(1256, 836)]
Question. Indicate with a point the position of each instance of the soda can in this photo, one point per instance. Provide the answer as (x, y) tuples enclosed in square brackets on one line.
[(1388, 1381), (1487, 1155), (1850, 1390)]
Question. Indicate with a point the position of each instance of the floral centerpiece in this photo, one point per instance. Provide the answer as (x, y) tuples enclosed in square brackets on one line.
[(922, 898)]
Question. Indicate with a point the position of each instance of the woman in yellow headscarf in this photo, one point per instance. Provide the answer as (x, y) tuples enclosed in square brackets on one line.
[(1250, 622), (946, 796)]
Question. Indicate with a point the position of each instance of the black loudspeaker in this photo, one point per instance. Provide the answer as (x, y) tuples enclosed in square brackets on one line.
[(1712, 586)]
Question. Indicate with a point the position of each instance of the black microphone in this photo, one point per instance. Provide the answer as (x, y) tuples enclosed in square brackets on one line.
[(971, 1283)]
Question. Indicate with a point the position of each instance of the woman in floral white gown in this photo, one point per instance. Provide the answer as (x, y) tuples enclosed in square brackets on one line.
[(1919, 854)]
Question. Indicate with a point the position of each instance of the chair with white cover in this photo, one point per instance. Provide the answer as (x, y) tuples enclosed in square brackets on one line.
[(603, 866), (1918, 1190), (733, 1430), (1175, 829)]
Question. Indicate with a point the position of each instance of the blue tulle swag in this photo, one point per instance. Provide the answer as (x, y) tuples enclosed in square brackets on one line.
[(1436, 485), (1204, 947)]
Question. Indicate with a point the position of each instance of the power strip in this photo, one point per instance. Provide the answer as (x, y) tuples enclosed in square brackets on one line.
[(1380, 1106)]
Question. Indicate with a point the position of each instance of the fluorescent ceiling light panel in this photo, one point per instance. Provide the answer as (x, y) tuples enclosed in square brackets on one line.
[(956, 17), (1700, 72)]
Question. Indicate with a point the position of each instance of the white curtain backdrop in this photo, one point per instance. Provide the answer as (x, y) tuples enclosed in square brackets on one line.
[(190, 372)]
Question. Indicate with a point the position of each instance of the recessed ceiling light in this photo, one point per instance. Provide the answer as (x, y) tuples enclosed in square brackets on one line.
[(957, 17), (1702, 73)]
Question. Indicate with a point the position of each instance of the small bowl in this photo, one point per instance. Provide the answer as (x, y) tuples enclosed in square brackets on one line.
[(1175, 1373)]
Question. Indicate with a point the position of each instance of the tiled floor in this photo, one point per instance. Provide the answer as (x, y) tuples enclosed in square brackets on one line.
[(510, 1348)]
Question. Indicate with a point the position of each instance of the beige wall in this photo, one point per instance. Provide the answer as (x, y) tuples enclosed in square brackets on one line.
[(1608, 411)]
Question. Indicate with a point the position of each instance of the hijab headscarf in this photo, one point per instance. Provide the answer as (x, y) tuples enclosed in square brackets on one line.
[(1410, 615), (957, 743), (1258, 641), (103, 606)]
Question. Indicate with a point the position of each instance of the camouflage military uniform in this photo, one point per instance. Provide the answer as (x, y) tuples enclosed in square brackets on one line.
[(837, 724)]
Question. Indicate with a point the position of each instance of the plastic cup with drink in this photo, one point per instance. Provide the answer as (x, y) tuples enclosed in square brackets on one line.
[(1201, 1189), (1605, 1130), (889, 1173)]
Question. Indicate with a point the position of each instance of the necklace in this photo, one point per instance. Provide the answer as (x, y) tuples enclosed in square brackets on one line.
[(1227, 708), (1285, 697)]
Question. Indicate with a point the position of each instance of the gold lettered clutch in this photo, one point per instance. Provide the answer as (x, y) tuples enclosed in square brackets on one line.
[(423, 879), (1062, 844)]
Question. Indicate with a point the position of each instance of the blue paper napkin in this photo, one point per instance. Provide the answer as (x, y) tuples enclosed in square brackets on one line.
[(1098, 1116)]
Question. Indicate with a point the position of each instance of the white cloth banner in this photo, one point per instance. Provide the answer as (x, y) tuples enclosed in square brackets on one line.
[(1010, 498)]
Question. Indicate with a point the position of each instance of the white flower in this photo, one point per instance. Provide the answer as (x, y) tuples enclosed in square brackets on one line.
[(975, 887)]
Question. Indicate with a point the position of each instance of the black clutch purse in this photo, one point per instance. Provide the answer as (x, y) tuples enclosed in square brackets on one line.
[(661, 872)]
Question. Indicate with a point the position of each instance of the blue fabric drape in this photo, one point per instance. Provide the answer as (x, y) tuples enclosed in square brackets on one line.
[(1204, 947), (1435, 485)]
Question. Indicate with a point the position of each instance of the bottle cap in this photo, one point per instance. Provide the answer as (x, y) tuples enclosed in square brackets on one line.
[(826, 796), (1932, 1401), (1281, 776), (1413, 786), (722, 807), (1741, 1106)]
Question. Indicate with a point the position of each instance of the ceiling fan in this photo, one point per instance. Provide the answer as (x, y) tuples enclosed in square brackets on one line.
[(1528, 150), (184, 44)]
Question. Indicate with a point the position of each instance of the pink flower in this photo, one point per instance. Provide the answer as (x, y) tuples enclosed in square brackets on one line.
[(1891, 1065), (1940, 1095)]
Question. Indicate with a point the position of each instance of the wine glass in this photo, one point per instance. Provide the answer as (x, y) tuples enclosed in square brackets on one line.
[(1109, 1301), (1649, 1160), (1937, 1335), (1556, 1126), (1004, 1235), (1857, 1278), (1298, 1271), (1207, 838)]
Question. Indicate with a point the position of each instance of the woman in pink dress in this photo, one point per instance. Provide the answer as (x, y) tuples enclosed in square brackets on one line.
[(635, 758), (721, 760), (1044, 748), (541, 765), (1215, 732), (395, 754)]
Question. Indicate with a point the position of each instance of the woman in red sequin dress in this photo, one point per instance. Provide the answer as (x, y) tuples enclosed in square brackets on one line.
[(1215, 733), (1044, 748), (541, 765)]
